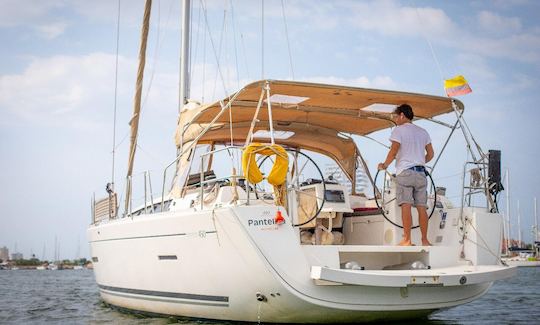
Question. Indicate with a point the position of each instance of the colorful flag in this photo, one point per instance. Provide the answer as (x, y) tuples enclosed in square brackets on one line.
[(456, 86)]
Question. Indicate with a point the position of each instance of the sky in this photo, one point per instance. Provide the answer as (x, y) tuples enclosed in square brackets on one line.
[(61, 79)]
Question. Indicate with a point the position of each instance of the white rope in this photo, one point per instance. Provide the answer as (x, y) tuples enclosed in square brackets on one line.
[(485, 243), (287, 37), (152, 156)]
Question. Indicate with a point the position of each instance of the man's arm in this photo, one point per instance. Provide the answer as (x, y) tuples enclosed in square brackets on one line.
[(429, 152), (391, 155)]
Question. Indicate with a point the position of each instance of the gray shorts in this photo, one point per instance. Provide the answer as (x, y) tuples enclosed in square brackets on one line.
[(411, 188)]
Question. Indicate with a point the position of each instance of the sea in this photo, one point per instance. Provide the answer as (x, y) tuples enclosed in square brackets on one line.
[(71, 297)]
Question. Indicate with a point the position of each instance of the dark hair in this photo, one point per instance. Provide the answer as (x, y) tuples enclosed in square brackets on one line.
[(406, 109)]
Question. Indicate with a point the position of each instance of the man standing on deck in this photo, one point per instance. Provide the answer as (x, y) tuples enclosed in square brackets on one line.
[(412, 149)]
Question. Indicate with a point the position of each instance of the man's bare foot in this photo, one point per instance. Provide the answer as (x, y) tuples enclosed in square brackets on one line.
[(426, 242), (404, 242)]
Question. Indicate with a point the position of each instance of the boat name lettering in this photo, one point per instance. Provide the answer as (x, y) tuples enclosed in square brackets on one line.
[(261, 222)]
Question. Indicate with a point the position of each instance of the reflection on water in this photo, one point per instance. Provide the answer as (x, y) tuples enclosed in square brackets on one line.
[(71, 296)]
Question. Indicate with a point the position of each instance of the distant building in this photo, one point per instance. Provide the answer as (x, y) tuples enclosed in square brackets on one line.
[(4, 253), (16, 256), (362, 183)]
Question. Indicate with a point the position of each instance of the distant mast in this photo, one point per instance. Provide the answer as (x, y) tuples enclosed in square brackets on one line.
[(137, 100), (535, 222), (509, 230), (519, 224)]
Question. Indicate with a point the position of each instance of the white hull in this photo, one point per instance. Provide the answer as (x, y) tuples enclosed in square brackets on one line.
[(214, 264)]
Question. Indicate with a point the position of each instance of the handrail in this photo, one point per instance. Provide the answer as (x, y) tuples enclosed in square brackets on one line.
[(194, 141), (201, 178)]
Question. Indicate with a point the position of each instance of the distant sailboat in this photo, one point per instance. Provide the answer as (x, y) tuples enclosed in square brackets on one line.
[(525, 257), (77, 256), (56, 264)]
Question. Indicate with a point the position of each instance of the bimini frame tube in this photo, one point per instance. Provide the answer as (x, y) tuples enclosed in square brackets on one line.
[(254, 120), (270, 120)]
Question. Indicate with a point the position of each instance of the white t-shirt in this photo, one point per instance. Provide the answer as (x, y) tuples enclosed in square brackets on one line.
[(412, 150)]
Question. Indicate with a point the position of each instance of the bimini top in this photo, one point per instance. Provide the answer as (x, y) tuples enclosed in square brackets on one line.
[(306, 115)]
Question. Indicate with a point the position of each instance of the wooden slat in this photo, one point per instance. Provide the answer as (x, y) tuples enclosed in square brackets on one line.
[(102, 207)]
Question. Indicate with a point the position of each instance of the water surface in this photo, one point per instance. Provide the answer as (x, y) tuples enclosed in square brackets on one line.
[(71, 297)]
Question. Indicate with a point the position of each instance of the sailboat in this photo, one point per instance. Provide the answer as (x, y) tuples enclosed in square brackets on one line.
[(56, 264), (273, 240), (523, 257)]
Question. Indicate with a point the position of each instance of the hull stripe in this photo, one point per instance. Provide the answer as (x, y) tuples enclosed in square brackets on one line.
[(154, 236), (187, 298)]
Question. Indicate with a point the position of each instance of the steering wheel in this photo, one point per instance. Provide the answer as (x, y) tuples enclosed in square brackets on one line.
[(299, 162), (386, 200)]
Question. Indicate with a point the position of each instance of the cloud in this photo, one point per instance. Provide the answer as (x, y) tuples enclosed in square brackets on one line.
[(51, 31), (389, 18), (15, 13), (382, 82), (494, 23), (523, 47), (475, 66), (510, 3), (63, 90)]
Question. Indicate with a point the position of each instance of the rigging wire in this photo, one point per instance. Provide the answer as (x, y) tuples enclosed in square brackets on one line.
[(433, 54), (243, 47), (245, 56), (156, 55), (193, 49), (213, 47), (197, 39), (235, 50), (204, 64), (115, 95), (262, 39), (223, 26), (287, 37), (159, 42)]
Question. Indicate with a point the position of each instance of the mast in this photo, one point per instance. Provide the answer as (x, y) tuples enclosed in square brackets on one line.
[(519, 224), (183, 91), (137, 99), (535, 222), (184, 56)]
